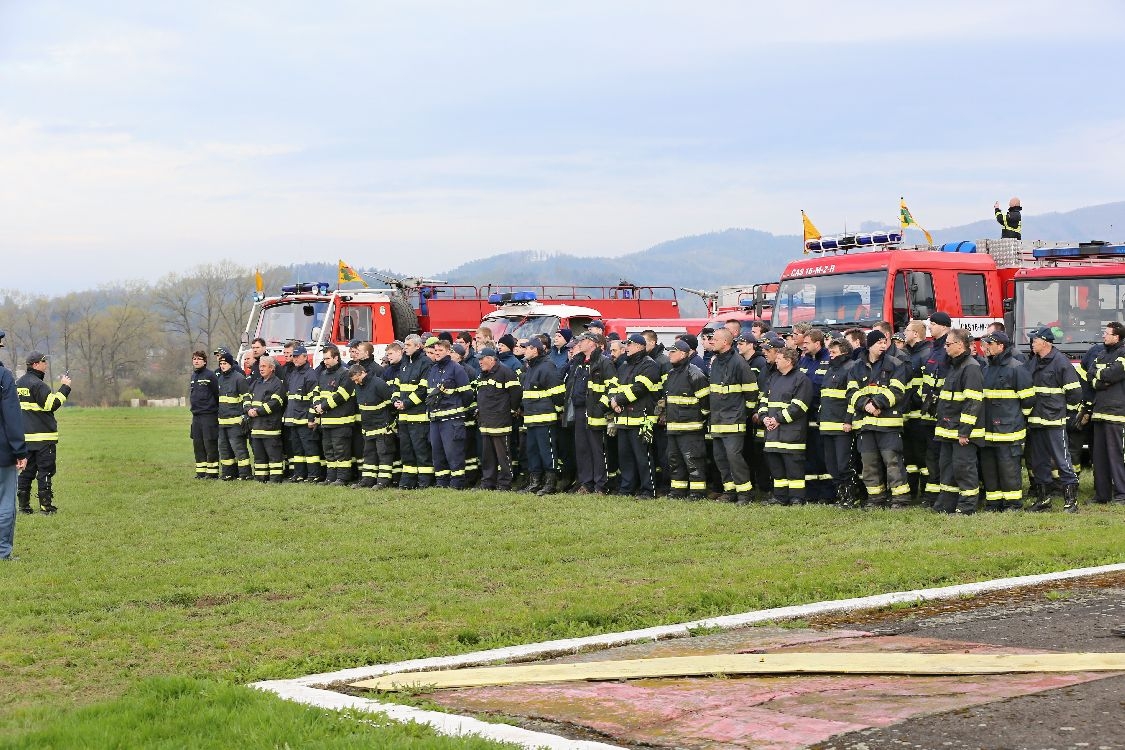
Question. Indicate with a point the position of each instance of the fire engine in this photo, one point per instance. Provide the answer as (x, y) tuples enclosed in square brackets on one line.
[(528, 312)]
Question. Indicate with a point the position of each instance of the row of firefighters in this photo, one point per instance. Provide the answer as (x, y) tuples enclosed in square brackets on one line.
[(861, 419)]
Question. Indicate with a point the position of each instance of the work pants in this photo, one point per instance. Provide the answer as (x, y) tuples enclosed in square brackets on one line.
[(660, 477), (303, 449), (495, 462), (589, 453), (472, 454), (727, 449), (417, 458), (337, 442), (687, 463), (837, 458), (960, 486), (818, 484), (884, 472), (205, 443), (931, 487), (378, 458), (1001, 473), (759, 469), (41, 467), (788, 471), (540, 443), (917, 434), (1047, 448), (635, 460), (1108, 448), (447, 446), (269, 458), (234, 455)]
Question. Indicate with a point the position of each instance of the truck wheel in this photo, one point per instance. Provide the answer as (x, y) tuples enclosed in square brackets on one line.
[(403, 317)]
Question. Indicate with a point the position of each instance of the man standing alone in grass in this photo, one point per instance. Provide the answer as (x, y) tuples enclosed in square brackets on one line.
[(13, 456), (41, 430)]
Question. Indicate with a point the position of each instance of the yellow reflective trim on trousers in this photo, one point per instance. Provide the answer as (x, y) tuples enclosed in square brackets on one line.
[(684, 426), (683, 400), (1102, 417), (539, 418), (993, 393), (41, 437), (496, 430), (1046, 422), (727, 429), (265, 433), (1005, 437), (778, 445), (413, 418)]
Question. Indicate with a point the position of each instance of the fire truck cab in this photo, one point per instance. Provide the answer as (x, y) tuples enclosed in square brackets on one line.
[(526, 312)]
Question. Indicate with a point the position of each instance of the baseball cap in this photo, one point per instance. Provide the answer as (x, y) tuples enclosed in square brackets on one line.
[(488, 351), (460, 349), (299, 350), (682, 346), (36, 357), (1044, 333), (351, 344), (637, 338), (997, 337), (596, 324), (536, 344), (773, 341), (746, 338)]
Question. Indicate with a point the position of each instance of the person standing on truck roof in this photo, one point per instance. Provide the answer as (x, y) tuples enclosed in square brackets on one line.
[(1011, 223), (1108, 417)]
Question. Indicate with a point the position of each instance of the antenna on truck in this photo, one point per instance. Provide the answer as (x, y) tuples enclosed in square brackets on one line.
[(710, 299)]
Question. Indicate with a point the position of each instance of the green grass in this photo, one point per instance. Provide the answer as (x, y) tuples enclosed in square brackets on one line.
[(137, 611)]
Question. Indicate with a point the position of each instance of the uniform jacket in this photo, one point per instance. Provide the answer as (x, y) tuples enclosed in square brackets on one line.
[(933, 371), (373, 397), (335, 394), (1109, 385), (499, 396), (638, 388), (512, 362), (39, 405), (12, 443), (834, 396), (788, 402), (559, 357), (448, 393), (410, 386), (203, 392), (1058, 391), (590, 383), (814, 369), (734, 392), (543, 392), (763, 378), (268, 397), (687, 392), (882, 383), (917, 355), (1085, 370), (300, 390), (234, 392), (1008, 399), (960, 405), (1011, 223)]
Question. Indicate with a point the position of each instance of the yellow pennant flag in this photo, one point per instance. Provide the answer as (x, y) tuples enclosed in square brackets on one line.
[(810, 231), (347, 274), (906, 219), (258, 283)]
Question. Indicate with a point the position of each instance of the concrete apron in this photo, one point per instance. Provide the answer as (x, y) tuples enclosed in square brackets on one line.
[(766, 712)]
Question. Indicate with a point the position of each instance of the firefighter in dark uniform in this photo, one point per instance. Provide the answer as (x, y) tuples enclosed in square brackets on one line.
[(377, 418), (1108, 417), (38, 404), (499, 396), (960, 428), (1011, 224), (543, 398), (234, 392), (833, 411), (933, 372), (918, 427), (752, 445), (687, 392), (203, 398), (302, 441), (785, 415), (1008, 399), (634, 405), (265, 409), (591, 380), (448, 397), (764, 369), (734, 391), (413, 427), (813, 363), (878, 391), (1058, 394), (335, 407)]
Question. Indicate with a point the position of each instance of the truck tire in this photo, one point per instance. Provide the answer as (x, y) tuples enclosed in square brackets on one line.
[(403, 317)]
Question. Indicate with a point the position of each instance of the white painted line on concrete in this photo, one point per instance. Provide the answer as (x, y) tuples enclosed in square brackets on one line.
[(305, 689)]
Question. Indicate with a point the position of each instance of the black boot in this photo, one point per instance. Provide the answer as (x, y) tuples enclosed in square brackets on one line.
[(25, 502), (534, 483), (1042, 502), (1070, 498), (47, 506), (548, 486)]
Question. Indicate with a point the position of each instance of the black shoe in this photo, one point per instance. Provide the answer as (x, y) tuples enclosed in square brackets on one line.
[(26, 509), (744, 499), (48, 510)]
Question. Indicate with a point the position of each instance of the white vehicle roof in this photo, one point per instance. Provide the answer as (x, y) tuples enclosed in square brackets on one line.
[(535, 309)]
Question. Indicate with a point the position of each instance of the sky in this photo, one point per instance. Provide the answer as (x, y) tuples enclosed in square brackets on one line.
[(139, 138)]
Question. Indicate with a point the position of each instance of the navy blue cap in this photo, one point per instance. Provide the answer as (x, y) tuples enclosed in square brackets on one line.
[(636, 338), (942, 319), (746, 338), (682, 346), (488, 351), (773, 341), (353, 343), (299, 350), (1046, 333), (997, 337), (596, 324)]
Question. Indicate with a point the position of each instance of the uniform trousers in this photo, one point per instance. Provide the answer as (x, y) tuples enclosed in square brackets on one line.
[(1049, 448), (755, 452), (884, 472), (495, 462), (931, 487), (635, 461), (337, 444), (378, 457), (687, 462), (788, 471), (540, 443), (837, 458), (417, 461), (234, 455), (960, 486), (447, 446), (1108, 448), (304, 451), (205, 443), (1001, 473), (727, 449), (917, 434), (8, 479), (817, 485), (269, 458), (41, 467), (589, 453)]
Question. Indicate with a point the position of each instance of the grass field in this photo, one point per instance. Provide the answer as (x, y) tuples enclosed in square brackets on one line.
[(133, 617)]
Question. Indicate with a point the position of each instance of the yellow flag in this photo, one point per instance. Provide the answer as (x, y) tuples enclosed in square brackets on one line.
[(906, 219), (258, 283), (347, 273), (811, 232)]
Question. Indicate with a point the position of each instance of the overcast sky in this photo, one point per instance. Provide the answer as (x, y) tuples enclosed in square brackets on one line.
[(138, 138)]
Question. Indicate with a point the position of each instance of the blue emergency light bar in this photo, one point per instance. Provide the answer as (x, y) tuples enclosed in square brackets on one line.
[(320, 287), (511, 298), (1083, 250), (745, 301)]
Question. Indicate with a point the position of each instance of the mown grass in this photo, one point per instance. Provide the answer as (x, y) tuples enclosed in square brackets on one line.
[(151, 597)]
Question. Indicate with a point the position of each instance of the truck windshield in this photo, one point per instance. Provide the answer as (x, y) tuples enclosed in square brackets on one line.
[(547, 324), (501, 324), (838, 299), (1079, 307), (292, 320)]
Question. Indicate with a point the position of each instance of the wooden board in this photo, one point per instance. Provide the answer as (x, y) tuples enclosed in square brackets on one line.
[(753, 664)]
